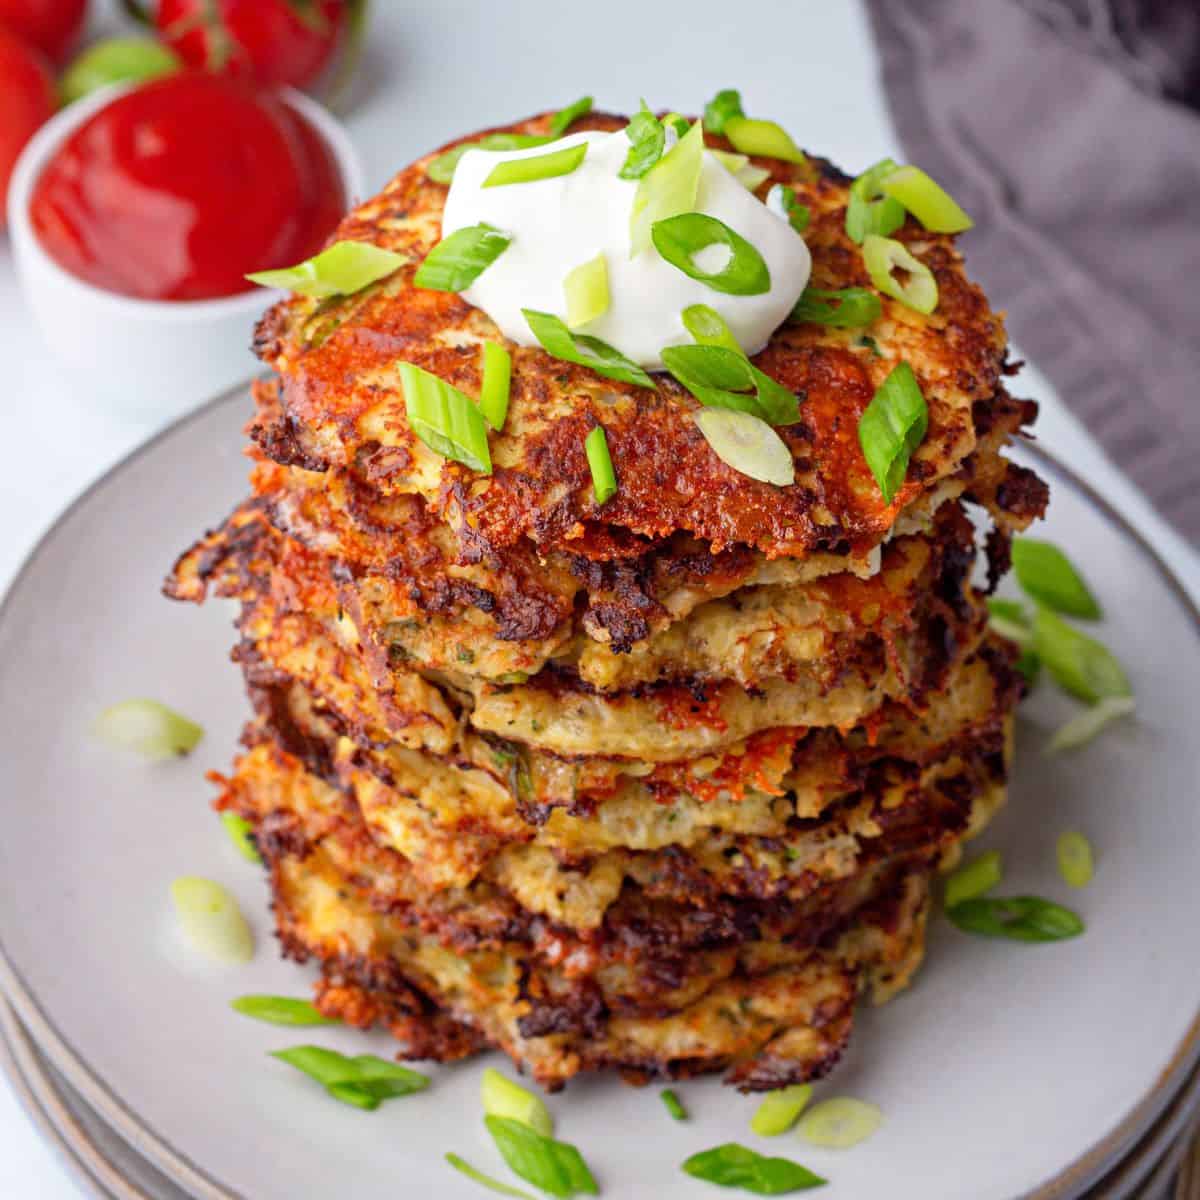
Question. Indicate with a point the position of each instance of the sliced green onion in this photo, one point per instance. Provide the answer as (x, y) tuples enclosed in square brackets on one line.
[(1077, 663), (708, 327), (1047, 575), (502, 1189), (586, 291), (935, 208), (1014, 631), (891, 427), (497, 380), (673, 1105), (917, 289), (764, 138), (735, 1166), (148, 728), (363, 1081), (977, 878), (1018, 918), (779, 1109), (584, 351), (677, 122), (782, 201), (566, 117), (555, 1167), (1082, 729), (839, 1123), (503, 1098), (540, 166), (604, 479), (116, 60), (445, 419), (1009, 610), (345, 268), (670, 187), (1029, 665), (742, 169), (846, 308), (678, 239), (747, 444), (457, 261), (240, 833), (212, 920), (280, 1010), (869, 210), (724, 105), (442, 168), (648, 139), (720, 377), (1076, 863)]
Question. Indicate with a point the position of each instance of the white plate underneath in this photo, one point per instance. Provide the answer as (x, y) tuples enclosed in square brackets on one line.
[(1008, 1070)]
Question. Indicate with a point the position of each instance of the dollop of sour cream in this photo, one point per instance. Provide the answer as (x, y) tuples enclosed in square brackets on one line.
[(557, 224)]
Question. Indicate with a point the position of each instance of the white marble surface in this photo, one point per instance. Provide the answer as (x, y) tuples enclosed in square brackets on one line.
[(434, 69)]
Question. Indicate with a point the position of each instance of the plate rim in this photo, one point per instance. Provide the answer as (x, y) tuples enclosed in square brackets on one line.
[(1070, 1181)]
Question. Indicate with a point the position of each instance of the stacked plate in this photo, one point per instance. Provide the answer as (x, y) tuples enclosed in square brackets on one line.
[(1062, 1071)]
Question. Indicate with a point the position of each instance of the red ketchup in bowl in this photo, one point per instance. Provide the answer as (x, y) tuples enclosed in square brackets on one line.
[(177, 189)]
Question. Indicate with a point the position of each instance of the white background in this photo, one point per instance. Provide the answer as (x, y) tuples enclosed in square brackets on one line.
[(434, 70)]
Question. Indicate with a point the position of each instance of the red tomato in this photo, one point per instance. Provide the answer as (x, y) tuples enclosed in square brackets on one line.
[(275, 42), (151, 197), (51, 25), (26, 100)]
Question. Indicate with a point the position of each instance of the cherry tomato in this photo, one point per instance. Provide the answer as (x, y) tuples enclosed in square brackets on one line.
[(274, 42), (26, 100), (51, 25)]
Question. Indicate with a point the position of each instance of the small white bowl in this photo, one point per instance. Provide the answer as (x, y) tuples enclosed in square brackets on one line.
[(146, 358)]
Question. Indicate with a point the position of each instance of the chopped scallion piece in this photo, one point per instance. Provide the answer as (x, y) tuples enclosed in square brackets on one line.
[(503, 1098), (212, 920), (148, 728), (345, 268), (458, 260), (280, 1010), (839, 1123), (1078, 664), (725, 104), (779, 1109), (445, 419), (868, 209), (566, 117), (764, 138), (735, 1166), (539, 166), (782, 201), (916, 288), (680, 238), (1087, 725), (497, 380), (1018, 918), (648, 139), (1029, 665), (501, 1189), (1015, 631), (708, 327), (678, 123), (586, 291), (891, 427), (585, 351), (363, 1081), (846, 308), (670, 187), (935, 208), (673, 1105), (1076, 863), (555, 1167), (977, 878), (741, 168), (604, 479), (240, 833), (442, 168), (747, 444), (721, 378), (1010, 610), (1047, 575)]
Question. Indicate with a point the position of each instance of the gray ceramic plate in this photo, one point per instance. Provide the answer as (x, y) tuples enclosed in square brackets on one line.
[(1078, 1046)]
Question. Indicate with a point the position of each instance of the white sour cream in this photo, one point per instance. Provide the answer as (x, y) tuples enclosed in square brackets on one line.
[(557, 224)]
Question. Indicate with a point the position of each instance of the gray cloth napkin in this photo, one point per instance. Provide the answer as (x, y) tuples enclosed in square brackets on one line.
[(1066, 128)]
